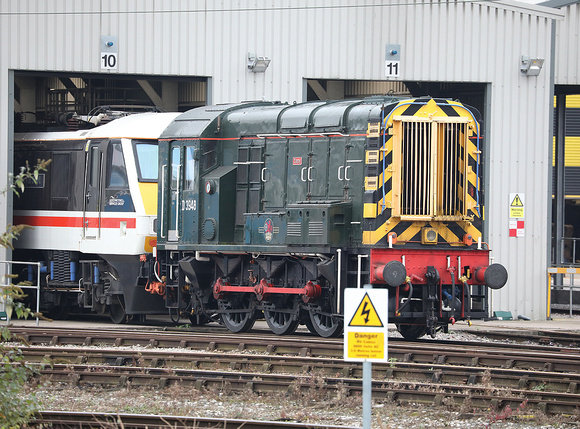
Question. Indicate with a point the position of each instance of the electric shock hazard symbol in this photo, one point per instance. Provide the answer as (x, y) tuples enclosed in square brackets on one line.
[(366, 314)]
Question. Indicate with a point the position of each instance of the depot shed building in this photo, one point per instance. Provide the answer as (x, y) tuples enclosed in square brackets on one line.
[(506, 58)]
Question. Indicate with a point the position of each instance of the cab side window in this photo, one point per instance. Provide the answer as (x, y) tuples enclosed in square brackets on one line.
[(189, 169), (117, 172)]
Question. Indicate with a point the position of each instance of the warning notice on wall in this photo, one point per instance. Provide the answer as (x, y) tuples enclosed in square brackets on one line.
[(517, 228), (516, 219), (516, 205)]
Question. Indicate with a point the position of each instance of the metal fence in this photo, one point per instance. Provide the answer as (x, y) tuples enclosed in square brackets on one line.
[(554, 271), (5, 283), (568, 252)]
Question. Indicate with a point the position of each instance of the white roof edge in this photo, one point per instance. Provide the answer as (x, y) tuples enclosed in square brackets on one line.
[(559, 3), (533, 9)]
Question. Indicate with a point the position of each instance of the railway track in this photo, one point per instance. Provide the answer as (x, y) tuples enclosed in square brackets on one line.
[(566, 339), (153, 360), (489, 355), (429, 392), (486, 375), (79, 420)]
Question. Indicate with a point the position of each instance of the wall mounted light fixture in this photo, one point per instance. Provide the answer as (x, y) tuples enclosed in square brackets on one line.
[(531, 66), (257, 64)]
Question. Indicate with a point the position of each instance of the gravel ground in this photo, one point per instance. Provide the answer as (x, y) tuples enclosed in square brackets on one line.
[(313, 408), (347, 412)]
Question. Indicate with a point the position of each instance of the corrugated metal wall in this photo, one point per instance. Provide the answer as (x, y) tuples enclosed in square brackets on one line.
[(317, 39), (568, 47)]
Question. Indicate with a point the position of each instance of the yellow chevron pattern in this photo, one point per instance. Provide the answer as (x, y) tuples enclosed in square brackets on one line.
[(448, 159)]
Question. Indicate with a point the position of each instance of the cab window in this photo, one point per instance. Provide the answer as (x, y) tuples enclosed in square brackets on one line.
[(117, 172), (189, 168), (146, 154)]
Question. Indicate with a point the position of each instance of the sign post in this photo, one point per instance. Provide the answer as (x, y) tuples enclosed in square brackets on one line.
[(366, 335)]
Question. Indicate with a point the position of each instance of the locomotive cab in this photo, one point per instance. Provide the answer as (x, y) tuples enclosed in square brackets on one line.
[(93, 214)]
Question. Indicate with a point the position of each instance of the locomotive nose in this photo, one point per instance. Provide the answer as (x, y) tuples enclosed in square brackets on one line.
[(494, 277)]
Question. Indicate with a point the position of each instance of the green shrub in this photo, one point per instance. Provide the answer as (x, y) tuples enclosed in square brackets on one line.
[(17, 405)]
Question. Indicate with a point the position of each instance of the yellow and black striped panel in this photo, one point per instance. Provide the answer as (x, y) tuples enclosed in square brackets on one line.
[(383, 212), (572, 149)]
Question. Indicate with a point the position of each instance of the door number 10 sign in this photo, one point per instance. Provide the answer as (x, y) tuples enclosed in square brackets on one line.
[(109, 51)]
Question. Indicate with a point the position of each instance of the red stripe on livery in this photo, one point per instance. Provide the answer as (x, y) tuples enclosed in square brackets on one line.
[(74, 222)]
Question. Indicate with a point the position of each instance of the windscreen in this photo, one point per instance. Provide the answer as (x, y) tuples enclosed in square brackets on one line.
[(146, 155)]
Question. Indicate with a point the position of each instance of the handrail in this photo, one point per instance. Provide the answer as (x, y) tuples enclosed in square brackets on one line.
[(163, 167), (37, 286), (178, 202), (561, 270), (573, 261)]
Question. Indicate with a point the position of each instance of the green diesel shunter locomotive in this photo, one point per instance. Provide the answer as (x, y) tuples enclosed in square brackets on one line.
[(270, 210)]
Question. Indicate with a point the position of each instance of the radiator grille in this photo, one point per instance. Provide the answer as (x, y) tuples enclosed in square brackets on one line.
[(61, 266), (432, 176), (315, 228), (416, 169), (452, 182), (294, 229)]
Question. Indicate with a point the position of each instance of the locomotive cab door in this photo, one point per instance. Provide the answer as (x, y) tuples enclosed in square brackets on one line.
[(94, 172), (174, 190), (179, 193), (190, 196)]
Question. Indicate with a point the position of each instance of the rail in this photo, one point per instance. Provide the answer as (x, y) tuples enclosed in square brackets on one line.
[(81, 419), (7, 273), (561, 270)]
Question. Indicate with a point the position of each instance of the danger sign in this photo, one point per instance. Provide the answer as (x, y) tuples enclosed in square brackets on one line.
[(366, 314), (365, 325)]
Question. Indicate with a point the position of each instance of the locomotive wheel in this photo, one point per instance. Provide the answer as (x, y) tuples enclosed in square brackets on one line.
[(412, 332), (324, 325), (237, 322), (117, 310), (280, 323)]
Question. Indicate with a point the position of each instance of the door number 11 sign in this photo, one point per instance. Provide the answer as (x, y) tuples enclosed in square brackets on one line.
[(393, 62)]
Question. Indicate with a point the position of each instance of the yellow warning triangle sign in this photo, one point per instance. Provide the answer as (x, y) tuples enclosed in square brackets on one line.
[(365, 314), (517, 202)]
